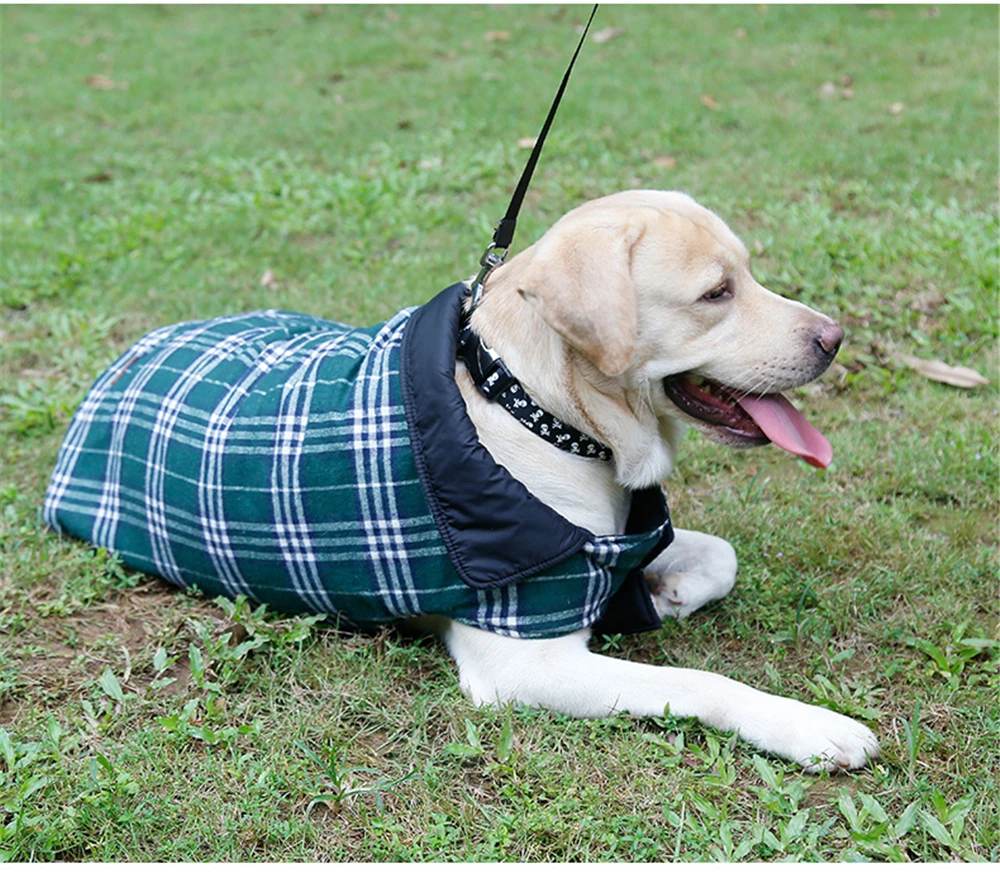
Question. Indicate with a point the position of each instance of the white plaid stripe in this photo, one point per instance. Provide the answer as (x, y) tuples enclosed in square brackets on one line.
[(244, 437), (602, 555), (109, 508), (486, 608), (212, 486), (170, 410), (292, 524), (372, 446), (498, 609), (76, 436), (253, 542)]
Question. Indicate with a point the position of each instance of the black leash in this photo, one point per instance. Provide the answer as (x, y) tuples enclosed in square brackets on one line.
[(487, 369), (497, 250)]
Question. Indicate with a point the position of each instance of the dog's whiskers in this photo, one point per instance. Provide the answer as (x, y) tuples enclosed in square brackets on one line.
[(760, 386)]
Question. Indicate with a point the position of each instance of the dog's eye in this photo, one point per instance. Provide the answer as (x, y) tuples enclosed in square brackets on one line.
[(719, 293)]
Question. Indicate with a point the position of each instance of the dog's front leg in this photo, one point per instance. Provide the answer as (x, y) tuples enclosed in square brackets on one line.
[(696, 569), (563, 675)]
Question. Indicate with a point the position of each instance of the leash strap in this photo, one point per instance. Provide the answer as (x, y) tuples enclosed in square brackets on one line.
[(497, 384), (504, 233), (503, 236), (490, 374)]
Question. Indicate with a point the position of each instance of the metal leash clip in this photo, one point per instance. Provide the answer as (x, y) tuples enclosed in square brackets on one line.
[(487, 264)]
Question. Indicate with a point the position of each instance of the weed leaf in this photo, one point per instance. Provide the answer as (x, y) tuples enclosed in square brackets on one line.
[(766, 772), (8, 750), (35, 783), (873, 808), (160, 660), (932, 652), (902, 827), (331, 800), (978, 643), (935, 828), (106, 764), (197, 663), (797, 825), (848, 809), (506, 744), (206, 735), (109, 685), (472, 735), (461, 750)]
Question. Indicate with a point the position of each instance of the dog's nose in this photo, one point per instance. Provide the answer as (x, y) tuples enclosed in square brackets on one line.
[(829, 338)]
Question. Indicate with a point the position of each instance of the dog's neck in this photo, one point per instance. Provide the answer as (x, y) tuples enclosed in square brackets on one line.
[(565, 384), (582, 490)]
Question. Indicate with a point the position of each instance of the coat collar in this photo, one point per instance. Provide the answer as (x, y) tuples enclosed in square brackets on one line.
[(480, 510)]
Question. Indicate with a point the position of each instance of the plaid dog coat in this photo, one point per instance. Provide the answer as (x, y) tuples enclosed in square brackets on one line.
[(321, 468)]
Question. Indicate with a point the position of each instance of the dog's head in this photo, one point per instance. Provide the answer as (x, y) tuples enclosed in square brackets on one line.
[(655, 294)]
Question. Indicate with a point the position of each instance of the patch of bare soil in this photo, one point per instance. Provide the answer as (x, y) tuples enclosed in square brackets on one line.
[(57, 655)]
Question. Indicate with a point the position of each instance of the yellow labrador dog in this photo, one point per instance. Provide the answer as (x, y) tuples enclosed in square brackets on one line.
[(633, 316), (266, 454)]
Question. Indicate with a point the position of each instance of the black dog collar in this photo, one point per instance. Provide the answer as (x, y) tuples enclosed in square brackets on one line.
[(496, 383)]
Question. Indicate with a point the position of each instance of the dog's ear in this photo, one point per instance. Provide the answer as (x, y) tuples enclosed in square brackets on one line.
[(581, 284)]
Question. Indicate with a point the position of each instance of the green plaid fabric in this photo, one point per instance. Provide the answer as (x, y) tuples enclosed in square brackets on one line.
[(268, 454)]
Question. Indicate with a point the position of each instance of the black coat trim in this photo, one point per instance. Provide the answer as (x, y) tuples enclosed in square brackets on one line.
[(495, 531)]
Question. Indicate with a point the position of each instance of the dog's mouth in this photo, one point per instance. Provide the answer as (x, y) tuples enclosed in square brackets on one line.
[(748, 420)]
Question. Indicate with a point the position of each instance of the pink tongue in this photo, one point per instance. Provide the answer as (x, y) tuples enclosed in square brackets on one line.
[(785, 426)]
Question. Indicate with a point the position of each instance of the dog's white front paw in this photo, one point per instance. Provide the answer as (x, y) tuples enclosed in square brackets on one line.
[(815, 738), (680, 594), (694, 570)]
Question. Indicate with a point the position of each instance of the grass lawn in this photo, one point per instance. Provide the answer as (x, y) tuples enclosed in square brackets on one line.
[(168, 163)]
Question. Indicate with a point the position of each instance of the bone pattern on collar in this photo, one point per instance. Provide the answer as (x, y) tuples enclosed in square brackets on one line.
[(497, 384)]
